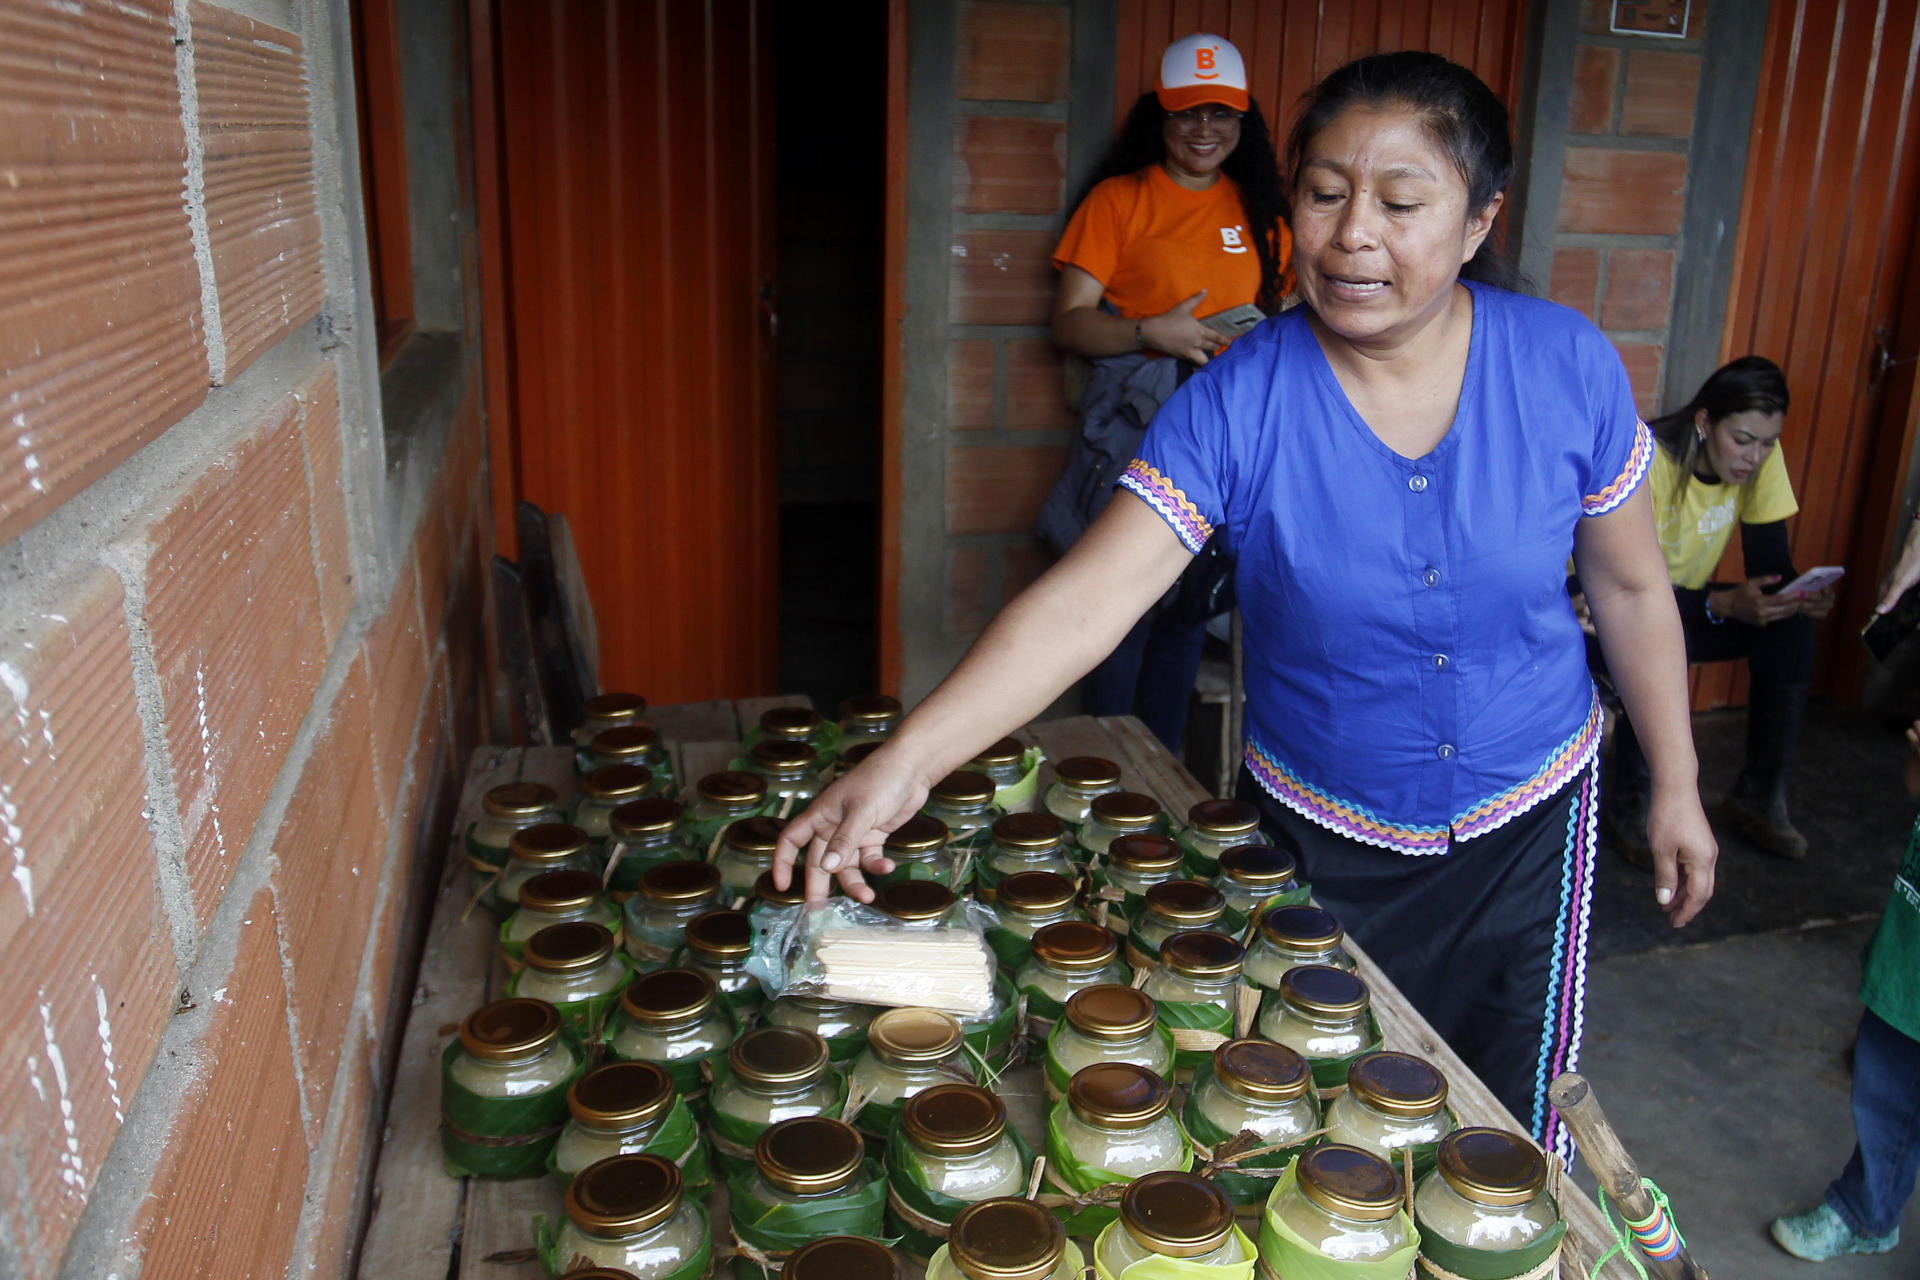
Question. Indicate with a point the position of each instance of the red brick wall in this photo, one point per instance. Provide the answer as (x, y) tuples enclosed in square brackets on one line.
[(226, 707)]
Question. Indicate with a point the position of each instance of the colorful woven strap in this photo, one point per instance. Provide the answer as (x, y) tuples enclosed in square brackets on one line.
[(1658, 1236)]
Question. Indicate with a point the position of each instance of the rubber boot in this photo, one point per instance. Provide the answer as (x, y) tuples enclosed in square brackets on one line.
[(1628, 798), (1756, 807)]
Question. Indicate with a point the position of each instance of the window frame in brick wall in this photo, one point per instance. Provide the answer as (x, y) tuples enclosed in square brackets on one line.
[(383, 171)]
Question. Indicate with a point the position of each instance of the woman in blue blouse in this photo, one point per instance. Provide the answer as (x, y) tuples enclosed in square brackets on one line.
[(1401, 468)]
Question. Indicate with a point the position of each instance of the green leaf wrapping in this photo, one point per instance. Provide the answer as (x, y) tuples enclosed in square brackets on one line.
[(1487, 1264), (940, 870), (908, 1180), (1076, 1176), (1284, 1253), (677, 1139), (530, 1125), (1059, 1077), (546, 1241), (1012, 797), (588, 1017), (781, 1227), (990, 1038), (1010, 950), (744, 1133), (1186, 1015), (1159, 1266), (627, 873), (493, 857), (1243, 1187)]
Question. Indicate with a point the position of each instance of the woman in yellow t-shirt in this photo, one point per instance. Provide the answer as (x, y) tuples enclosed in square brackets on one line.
[(1719, 465)]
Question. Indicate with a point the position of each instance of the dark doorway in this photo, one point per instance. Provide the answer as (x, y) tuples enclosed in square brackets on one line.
[(829, 68)]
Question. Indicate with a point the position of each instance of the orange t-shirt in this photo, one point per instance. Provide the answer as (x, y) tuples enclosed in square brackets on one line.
[(1152, 244)]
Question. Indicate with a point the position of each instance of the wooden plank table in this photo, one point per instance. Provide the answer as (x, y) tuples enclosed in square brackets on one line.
[(427, 1225)]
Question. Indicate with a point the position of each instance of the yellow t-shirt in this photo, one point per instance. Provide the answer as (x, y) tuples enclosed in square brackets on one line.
[(1694, 530)]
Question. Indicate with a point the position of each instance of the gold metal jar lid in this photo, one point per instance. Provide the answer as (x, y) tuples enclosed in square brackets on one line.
[(655, 815), (1324, 990), (1120, 1095), (1397, 1084), (914, 1035), (1185, 904), (620, 1095), (964, 789), (1033, 893), (1144, 853), (953, 1119), (572, 947), (854, 755), (614, 707), (1224, 817), (547, 842), (1035, 832), (617, 782), (625, 742), (794, 724), (917, 839), (788, 1057), (783, 758), (1087, 772), (870, 709), (1492, 1167), (1202, 953), (809, 1155), (915, 901), (1262, 1070), (1301, 928), (1125, 810), (792, 896), (1259, 866), (519, 799), (507, 1030), (755, 837), (555, 891), (1075, 946), (624, 1195), (1111, 1011), (720, 937), (1009, 1238), (839, 1258), (1350, 1182), (1007, 751), (668, 997), (731, 789), (1179, 1215), (675, 884)]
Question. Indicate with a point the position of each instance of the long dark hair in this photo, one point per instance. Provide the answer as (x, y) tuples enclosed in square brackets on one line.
[(1465, 117), (1253, 167), (1749, 383)]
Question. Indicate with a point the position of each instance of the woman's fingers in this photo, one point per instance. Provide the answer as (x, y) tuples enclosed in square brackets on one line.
[(794, 838), (1684, 853)]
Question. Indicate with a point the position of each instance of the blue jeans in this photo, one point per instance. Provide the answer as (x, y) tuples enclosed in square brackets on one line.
[(1150, 674), (1872, 1192)]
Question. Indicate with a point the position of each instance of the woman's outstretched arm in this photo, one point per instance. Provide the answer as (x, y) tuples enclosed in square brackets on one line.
[(1040, 643)]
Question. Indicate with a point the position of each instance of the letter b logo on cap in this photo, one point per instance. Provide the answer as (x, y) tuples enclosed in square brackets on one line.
[(1200, 69), (1203, 64)]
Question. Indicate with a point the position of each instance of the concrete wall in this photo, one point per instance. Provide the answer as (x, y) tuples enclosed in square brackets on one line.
[(240, 608)]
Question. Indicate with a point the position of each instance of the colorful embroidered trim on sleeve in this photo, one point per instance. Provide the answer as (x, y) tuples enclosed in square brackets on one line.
[(1638, 460), (1568, 759), (1164, 496), (1356, 822)]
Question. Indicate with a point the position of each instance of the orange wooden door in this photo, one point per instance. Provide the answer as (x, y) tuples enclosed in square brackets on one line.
[(1825, 258), (636, 147)]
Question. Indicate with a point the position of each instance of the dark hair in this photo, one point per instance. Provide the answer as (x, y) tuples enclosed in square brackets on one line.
[(1749, 383), (1465, 117), (1252, 165)]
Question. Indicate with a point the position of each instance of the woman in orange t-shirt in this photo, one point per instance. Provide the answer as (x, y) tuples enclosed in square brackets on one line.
[(1184, 219)]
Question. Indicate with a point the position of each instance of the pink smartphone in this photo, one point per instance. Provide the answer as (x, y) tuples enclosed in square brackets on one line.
[(1818, 578)]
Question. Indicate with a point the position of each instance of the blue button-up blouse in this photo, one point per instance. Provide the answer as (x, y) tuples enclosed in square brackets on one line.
[(1414, 671)]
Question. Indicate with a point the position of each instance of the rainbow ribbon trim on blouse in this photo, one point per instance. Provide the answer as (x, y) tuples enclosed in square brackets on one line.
[(1638, 460), (1157, 491)]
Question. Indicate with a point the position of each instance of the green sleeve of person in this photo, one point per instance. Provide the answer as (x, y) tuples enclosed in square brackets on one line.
[(1890, 966)]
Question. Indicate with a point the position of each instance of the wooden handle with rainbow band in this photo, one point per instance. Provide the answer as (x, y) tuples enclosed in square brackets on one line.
[(1654, 1234)]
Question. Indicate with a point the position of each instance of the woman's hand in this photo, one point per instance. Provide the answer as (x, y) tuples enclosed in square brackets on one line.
[(842, 834), (1177, 333), (1684, 851), (1817, 604), (1905, 573), (1750, 604)]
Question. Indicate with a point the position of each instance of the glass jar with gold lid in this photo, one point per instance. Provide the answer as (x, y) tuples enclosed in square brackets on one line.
[(841, 1024), (954, 1141), (1067, 958), (919, 851), (512, 1048), (1136, 863), (1077, 782), (840, 1258), (772, 1074), (1393, 1101), (1009, 1238), (1215, 826), (1176, 906), (1487, 1194), (791, 771), (718, 944), (503, 1088), (615, 1110), (908, 1050), (672, 1017), (867, 717), (770, 904), (810, 1177), (505, 809), (550, 846), (1114, 1126), (1110, 1023), (1120, 813), (921, 904), (964, 801), (746, 850), (575, 968), (1197, 966), (644, 833), (797, 724), (720, 799), (1174, 1215), (607, 711), (1001, 763), (1289, 937), (1322, 1013), (670, 896), (1256, 1086), (631, 1213), (1254, 875), (605, 789), (1031, 900), (634, 743), (1024, 842), (556, 897), (1344, 1203)]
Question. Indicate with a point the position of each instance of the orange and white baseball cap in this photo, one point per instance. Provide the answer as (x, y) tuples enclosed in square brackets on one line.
[(1202, 68)]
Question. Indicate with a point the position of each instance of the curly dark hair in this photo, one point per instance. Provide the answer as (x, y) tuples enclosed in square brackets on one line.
[(1253, 166)]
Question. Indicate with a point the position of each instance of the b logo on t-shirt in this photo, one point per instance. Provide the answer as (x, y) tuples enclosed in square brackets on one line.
[(1230, 239)]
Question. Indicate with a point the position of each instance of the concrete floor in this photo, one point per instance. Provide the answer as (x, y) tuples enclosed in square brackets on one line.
[(1720, 1051)]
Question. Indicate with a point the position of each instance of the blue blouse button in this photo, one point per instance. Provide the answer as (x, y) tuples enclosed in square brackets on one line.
[(1446, 751), (1431, 577), (1417, 483), (1441, 661)]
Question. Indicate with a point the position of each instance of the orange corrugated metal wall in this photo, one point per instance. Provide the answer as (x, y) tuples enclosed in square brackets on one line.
[(640, 226), (1825, 254)]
